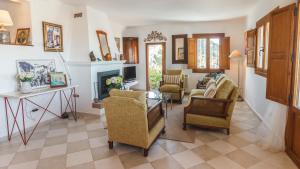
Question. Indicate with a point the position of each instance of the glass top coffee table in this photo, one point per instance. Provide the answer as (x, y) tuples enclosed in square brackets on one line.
[(164, 97)]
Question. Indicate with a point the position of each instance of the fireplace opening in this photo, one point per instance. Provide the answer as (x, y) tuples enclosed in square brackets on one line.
[(102, 77)]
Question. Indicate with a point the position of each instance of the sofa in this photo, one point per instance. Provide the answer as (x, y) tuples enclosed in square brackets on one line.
[(176, 89), (130, 120), (212, 112)]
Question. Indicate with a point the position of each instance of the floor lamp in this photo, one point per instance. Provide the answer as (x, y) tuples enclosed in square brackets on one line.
[(236, 55)]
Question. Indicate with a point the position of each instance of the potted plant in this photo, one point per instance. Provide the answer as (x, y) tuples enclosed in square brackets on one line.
[(26, 78), (114, 83)]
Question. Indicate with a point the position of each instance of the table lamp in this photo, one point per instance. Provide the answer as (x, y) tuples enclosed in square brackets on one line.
[(5, 20), (237, 55)]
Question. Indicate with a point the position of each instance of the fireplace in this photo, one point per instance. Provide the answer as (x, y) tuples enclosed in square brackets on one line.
[(102, 77)]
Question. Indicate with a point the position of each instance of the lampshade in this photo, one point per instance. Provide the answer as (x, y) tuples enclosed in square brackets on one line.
[(5, 19), (235, 54)]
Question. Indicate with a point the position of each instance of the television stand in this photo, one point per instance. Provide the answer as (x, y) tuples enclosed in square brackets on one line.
[(128, 85)]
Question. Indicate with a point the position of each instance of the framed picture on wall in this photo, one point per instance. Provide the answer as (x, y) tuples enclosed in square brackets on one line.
[(53, 37), (22, 36)]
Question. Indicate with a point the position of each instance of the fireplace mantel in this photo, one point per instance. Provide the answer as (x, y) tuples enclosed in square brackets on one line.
[(86, 63)]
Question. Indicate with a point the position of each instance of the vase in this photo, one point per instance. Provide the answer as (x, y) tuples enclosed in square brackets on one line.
[(26, 87)]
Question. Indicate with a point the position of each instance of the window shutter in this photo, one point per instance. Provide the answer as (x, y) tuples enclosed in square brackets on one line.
[(130, 50), (250, 47), (225, 52), (192, 53), (281, 50)]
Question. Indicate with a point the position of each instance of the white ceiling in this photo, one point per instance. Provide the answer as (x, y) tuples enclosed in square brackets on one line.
[(142, 12)]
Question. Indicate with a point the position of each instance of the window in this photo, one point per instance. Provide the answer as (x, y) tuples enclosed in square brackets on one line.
[(209, 52), (262, 48)]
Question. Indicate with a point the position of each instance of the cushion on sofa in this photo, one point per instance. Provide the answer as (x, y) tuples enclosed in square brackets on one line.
[(210, 82), (210, 92), (225, 89)]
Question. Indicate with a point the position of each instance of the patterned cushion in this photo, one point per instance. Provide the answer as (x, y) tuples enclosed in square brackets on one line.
[(210, 82), (211, 91), (172, 79)]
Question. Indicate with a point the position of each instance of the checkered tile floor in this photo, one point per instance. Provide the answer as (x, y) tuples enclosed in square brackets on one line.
[(83, 145)]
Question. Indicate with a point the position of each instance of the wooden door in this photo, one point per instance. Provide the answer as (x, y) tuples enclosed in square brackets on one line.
[(292, 133)]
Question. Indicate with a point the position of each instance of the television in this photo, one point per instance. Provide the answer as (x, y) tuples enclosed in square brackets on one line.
[(129, 73)]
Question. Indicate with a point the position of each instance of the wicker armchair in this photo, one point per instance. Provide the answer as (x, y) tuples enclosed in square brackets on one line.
[(177, 90), (212, 112), (130, 121)]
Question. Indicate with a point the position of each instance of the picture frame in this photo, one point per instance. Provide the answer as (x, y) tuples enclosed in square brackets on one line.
[(5, 37), (22, 36), (104, 47), (40, 68), (53, 37), (58, 79)]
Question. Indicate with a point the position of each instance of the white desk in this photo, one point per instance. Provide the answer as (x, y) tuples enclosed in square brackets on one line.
[(70, 100)]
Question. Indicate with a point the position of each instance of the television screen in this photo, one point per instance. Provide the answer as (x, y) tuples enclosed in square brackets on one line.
[(129, 73)]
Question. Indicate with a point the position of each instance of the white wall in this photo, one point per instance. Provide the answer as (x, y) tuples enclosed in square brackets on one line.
[(233, 28), (47, 10), (272, 114)]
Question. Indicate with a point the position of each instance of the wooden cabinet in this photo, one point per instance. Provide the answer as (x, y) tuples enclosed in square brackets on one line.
[(250, 47), (131, 50)]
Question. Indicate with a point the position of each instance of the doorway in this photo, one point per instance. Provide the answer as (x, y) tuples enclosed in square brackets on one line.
[(155, 64)]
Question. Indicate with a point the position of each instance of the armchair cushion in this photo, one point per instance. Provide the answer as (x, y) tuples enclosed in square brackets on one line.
[(172, 79), (174, 72), (170, 88), (210, 82)]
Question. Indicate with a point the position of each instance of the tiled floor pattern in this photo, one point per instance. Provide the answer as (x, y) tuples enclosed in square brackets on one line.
[(83, 145)]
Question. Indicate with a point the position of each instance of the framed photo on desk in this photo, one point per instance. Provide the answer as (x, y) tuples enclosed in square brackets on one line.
[(58, 79)]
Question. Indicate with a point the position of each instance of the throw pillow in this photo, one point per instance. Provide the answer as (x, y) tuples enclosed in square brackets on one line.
[(211, 91), (225, 90), (210, 82), (172, 79)]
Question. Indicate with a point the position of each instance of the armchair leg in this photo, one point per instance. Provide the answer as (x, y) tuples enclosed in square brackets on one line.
[(110, 144), (146, 152), (163, 130), (228, 131), (184, 126)]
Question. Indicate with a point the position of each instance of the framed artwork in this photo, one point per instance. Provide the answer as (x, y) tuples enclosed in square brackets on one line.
[(104, 47), (40, 69), (22, 36), (53, 37), (118, 43), (58, 79)]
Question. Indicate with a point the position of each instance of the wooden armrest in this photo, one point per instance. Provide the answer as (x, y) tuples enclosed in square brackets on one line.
[(208, 106), (161, 83)]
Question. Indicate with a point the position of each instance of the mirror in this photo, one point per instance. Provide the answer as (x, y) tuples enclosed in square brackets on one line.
[(179, 45), (104, 47)]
